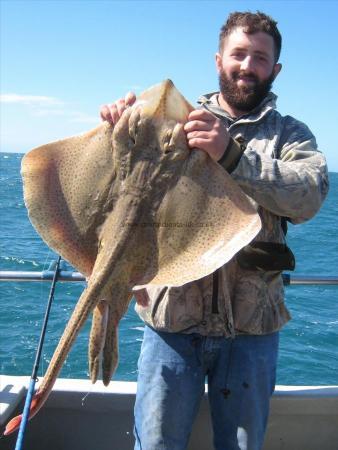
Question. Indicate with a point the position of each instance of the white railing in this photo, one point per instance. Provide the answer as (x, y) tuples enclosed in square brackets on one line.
[(68, 275)]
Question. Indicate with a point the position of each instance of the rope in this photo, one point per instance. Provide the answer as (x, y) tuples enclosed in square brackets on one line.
[(29, 396)]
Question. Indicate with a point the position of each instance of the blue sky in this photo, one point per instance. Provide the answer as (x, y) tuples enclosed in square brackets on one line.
[(60, 60)]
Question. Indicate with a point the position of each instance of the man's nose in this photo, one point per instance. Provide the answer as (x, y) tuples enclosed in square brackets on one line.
[(247, 63)]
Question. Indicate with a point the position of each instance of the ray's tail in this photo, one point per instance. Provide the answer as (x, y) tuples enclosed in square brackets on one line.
[(14, 423), (77, 319)]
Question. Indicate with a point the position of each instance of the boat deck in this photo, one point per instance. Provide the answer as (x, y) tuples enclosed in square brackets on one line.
[(78, 415)]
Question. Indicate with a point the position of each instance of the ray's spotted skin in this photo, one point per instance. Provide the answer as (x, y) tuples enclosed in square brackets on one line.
[(131, 206)]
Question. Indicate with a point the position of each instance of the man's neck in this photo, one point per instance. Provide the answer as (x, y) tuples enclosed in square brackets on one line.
[(233, 112)]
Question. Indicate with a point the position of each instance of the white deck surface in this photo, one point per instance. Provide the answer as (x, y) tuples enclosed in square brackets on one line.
[(79, 415)]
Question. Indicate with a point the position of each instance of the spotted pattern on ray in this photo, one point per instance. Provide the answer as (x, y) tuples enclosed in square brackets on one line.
[(131, 206)]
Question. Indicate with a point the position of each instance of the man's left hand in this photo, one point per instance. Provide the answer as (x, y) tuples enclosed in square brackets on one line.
[(206, 132)]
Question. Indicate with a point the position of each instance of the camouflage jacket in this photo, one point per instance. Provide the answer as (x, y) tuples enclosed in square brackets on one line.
[(275, 161)]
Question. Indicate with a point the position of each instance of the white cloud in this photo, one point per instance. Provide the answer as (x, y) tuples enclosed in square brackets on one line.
[(39, 100), (43, 106)]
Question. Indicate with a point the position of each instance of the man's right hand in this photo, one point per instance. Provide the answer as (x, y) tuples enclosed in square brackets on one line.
[(112, 112)]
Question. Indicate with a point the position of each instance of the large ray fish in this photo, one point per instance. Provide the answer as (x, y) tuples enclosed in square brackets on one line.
[(131, 206)]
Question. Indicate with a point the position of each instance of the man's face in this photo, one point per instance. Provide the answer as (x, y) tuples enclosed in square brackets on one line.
[(246, 68)]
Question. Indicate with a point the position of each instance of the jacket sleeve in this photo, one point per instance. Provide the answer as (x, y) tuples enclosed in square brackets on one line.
[(292, 185)]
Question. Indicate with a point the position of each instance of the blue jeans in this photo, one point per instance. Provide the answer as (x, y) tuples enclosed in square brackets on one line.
[(172, 371)]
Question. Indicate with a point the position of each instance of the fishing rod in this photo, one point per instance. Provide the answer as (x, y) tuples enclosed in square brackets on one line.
[(30, 391)]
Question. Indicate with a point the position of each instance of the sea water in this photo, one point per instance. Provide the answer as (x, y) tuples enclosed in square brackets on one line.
[(309, 342)]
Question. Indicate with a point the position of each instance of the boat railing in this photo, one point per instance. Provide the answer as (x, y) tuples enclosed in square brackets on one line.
[(72, 276)]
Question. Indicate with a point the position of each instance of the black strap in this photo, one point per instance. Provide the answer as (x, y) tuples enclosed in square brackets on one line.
[(268, 256), (284, 225), (214, 301)]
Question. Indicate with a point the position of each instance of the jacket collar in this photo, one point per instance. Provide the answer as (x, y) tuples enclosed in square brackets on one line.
[(266, 105)]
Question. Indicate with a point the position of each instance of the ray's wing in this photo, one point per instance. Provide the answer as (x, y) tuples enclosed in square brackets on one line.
[(66, 186), (201, 223)]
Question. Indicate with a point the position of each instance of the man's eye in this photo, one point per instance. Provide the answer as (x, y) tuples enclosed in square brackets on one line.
[(238, 55), (262, 59)]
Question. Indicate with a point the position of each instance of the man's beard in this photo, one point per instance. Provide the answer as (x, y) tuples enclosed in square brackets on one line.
[(244, 98)]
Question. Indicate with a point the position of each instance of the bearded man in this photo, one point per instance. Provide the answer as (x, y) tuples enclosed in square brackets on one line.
[(228, 323)]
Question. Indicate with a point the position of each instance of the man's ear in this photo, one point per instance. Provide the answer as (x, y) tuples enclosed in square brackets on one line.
[(277, 68), (218, 60)]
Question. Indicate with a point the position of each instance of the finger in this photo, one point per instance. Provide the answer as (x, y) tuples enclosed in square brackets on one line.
[(198, 142), (130, 98), (201, 144), (201, 114), (197, 125), (115, 115), (105, 114), (206, 145), (198, 135), (121, 106)]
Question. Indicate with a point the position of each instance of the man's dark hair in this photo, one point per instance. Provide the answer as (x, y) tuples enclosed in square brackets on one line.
[(252, 23)]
